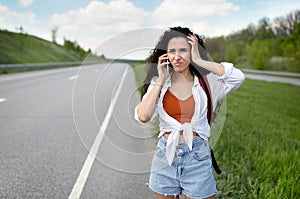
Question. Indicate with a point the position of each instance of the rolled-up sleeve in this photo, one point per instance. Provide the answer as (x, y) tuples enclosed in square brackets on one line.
[(232, 78), (136, 117)]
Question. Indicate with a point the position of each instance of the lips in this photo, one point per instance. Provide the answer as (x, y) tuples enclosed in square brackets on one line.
[(177, 63)]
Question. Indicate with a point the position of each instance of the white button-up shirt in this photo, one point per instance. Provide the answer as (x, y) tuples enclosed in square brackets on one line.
[(219, 86)]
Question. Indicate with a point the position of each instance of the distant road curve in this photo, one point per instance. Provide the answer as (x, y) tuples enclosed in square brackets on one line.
[(270, 78), (273, 73)]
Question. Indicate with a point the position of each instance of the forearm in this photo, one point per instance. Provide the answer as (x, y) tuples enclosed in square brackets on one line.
[(147, 106), (214, 67)]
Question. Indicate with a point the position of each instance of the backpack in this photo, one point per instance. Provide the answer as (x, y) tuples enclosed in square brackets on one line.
[(205, 86)]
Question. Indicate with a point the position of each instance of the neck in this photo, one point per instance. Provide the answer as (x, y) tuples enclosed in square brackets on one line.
[(186, 75)]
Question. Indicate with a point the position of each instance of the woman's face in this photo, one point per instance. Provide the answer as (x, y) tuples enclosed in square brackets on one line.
[(179, 53)]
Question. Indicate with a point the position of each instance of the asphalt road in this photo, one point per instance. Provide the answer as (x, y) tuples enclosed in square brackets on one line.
[(49, 121)]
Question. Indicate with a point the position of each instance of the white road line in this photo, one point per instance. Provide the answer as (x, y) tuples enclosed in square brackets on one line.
[(81, 180), (73, 77), (2, 100)]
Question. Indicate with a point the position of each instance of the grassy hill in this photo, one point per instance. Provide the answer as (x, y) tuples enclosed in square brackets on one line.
[(24, 48)]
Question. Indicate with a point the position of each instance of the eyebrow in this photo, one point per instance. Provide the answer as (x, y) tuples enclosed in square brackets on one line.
[(171, 49)]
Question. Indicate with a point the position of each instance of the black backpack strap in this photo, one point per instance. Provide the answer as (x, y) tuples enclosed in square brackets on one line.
[(214, 162), (204, 84)]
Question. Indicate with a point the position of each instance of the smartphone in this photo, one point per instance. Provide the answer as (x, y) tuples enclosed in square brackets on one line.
[(168, 67)]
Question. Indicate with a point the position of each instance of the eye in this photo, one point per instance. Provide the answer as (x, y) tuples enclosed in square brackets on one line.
[(171, 50), (183, 50)]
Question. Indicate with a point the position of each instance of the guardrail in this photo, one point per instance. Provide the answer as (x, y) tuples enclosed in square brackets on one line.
[(51, 64), (268, 72)]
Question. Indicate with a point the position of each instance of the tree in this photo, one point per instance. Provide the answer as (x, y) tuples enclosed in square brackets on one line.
[(284, 26), (74, 47), (231, 52), (216, 48), (264, 30), (20, 29), (54, 31)]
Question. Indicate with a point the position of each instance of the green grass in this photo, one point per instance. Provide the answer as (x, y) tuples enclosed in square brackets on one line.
[(18, 48), (24, 48), (258, 149), (140, 70)]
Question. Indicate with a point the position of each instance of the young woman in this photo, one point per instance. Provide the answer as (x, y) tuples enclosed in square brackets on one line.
[(180, 87)]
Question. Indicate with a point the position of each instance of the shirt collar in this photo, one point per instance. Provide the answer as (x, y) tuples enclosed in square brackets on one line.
[(168, 81), (196, 81)]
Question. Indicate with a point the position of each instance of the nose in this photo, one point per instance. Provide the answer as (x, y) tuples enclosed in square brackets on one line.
[(177, 56)]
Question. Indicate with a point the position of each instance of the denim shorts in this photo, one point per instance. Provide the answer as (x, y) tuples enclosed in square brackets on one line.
[(190, 173)]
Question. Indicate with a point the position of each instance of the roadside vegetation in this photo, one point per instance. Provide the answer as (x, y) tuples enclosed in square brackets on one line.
[(258, 149), (268, 45), (21, 48), (24, 48)]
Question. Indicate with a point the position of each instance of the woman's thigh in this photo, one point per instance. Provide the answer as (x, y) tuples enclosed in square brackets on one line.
[(160, 196), (212, 197)]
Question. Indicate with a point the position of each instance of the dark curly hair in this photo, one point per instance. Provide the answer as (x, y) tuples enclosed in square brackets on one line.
[(161, 48)]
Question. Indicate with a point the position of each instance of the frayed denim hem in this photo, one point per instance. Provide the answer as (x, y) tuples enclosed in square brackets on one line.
[(165, 194), (197, 197)]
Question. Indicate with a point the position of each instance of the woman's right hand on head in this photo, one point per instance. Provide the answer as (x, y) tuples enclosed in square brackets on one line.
[(163, 73)]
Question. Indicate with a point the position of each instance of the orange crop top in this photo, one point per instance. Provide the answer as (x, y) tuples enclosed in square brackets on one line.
[(181, 110)]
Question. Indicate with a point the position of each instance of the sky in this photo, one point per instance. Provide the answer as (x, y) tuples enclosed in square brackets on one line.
[(95, 24)]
